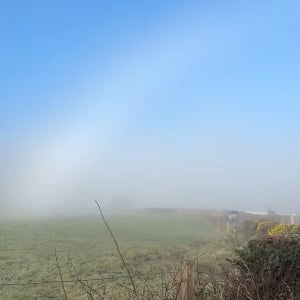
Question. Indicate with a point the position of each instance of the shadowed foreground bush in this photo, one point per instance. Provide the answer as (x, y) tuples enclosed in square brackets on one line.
[(268, 267)]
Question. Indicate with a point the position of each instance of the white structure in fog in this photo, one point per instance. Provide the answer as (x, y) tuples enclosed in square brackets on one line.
[(290, 216)]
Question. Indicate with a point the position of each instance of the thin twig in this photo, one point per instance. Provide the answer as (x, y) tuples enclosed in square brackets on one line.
[(84, 284), (60, 275), (118, 249)]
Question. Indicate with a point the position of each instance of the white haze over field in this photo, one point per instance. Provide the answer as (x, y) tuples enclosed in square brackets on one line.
[(148, 128)]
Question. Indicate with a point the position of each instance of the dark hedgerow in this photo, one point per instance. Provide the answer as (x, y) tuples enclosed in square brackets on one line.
[(269, 267)]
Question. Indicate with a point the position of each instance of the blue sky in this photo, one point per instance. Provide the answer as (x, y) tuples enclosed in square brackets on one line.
[(192, 103)]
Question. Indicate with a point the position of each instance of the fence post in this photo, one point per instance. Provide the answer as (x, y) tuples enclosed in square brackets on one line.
[(186, 281)]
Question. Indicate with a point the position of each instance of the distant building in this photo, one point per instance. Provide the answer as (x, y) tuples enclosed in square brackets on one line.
[(234, 217), (283, 218)]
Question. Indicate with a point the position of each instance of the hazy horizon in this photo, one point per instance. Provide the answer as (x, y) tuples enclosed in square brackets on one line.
[(162, 103)]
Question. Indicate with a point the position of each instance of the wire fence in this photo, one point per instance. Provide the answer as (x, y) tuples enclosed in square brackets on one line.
[(182, 282), (112, 278)]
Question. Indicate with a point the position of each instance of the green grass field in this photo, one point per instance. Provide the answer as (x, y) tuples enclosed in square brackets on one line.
[(149, 243)]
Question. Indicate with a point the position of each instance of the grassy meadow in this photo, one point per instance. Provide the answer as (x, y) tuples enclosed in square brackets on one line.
[(149, 243)]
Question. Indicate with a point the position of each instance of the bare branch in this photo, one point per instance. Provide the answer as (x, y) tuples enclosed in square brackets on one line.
[(60, 275), (118, 249)]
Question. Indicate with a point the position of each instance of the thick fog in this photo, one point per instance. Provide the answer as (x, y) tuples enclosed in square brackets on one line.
[(197, 108)]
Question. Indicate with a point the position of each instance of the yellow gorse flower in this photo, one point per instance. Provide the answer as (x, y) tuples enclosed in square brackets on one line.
[(284, 229)]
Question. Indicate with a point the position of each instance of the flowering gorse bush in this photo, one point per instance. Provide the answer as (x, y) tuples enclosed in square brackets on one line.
[(285, 229)]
